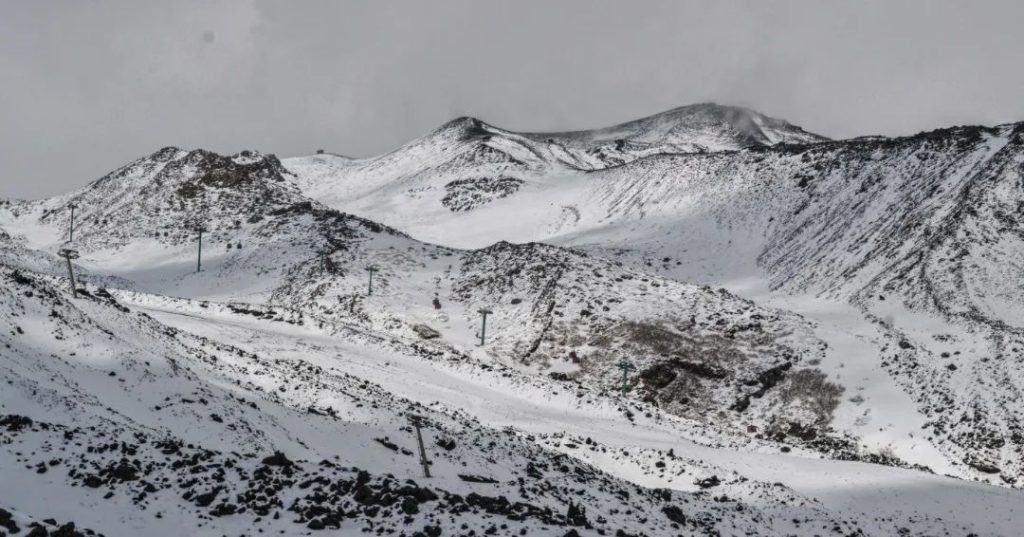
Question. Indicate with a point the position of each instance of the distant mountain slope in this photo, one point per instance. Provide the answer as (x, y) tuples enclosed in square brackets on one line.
[(467, 163), (906, 229), (696, 351), (918, 232), (141, 222), (123, 403), (704, 127)]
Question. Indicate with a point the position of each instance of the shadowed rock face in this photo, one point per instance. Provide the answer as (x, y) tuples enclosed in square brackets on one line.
[(216, 171), (468, 194)]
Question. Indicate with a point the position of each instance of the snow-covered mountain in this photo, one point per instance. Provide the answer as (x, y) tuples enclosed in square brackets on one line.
[(917, 233), (556, 311), (782, 379), (467, 163), (696, 128)]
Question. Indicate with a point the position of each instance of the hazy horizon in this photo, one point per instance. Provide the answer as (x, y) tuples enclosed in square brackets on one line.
[(94, 85)]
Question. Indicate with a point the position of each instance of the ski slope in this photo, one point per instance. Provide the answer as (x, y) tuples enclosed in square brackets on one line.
[(822, 333), (915, 233), (856, 489)]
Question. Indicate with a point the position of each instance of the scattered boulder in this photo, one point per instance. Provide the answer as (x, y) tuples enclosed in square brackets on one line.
[(410, 506), (476, 478), (983, 466), (15, 423), (674, 513), (709, 482), (7, 521), (277, 459), (425, 331)]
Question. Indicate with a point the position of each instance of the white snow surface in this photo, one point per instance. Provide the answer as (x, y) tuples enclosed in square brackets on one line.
[(824, 337), (916, 234)]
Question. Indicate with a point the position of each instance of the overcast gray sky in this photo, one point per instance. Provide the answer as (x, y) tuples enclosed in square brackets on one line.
[(86, 86)]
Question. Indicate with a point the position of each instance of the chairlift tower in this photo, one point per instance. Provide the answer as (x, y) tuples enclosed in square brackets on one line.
[(371, 269), (69, 252), (417, 422), (626, 366), (199, 254), (484, 312), (71, 228)]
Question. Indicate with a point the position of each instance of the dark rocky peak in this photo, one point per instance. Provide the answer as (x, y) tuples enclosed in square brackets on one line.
[(192, 169), (467, 128), (173, 190), (212, 169), (246, 197), (166, 154)]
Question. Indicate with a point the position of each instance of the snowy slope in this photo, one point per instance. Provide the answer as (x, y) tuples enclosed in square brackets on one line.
[(695, 128), (156, 429), (467, 163), (756, 415), (917, 233), (171, 415), (695, 351)]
